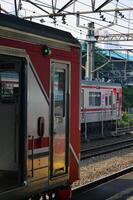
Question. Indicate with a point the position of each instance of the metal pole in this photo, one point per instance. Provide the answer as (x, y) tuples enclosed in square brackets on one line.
[(128, 119), (102, 123), (125, 71), (90, 51), (87, 75), (16, 11), (86, 138), (116, 128)]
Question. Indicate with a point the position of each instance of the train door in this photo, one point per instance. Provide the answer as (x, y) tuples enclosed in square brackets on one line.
[(59, 119), (37, 128), (11, 118)]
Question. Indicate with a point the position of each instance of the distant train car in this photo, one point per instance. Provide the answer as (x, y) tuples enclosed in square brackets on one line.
[(39, 110), (100, 102)]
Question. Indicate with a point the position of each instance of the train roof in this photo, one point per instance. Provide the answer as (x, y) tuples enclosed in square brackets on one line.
[(98, 83), (13, 22)]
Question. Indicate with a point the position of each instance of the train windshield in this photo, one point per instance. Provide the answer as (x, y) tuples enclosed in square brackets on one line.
[(9, 121), (8, 86)]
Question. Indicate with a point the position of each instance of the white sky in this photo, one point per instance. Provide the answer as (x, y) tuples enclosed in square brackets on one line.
[(123, 25)]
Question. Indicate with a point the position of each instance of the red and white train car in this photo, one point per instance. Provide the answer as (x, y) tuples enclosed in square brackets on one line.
[(39, 110), (100, 102)]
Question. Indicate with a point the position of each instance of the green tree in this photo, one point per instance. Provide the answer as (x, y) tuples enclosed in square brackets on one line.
[(127, 97)]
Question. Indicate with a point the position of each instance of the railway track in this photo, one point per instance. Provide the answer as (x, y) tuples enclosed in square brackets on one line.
[(121, 130), (104, 149)]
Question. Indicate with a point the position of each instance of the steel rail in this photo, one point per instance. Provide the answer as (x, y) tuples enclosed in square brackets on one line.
[(123, 129), (104, 149)]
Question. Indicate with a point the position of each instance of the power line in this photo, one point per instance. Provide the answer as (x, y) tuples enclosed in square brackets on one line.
[(34, 4), (115, 44), (86, 18), (102, 5), (83, 17), (82, 12)]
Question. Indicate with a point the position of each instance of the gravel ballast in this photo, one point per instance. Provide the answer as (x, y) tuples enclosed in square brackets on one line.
[(100, 166)]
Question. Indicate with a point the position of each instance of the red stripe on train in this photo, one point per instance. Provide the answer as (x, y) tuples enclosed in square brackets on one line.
[(38, 143), (99, 87), (96, 109)]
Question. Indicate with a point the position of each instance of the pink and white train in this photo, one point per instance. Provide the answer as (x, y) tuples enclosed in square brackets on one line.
[(100, 102)]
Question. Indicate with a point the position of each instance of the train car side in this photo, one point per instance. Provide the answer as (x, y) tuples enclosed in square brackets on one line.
[(39, 118), (100, 102)]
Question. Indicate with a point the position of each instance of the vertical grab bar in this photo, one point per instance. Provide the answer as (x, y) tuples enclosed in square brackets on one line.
[(32, 153)]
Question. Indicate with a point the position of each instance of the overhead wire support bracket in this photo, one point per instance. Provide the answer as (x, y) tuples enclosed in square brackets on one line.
[(116, 37), (3, 10), (100, 66), (35, 6), (102, 5), (66, 5), (76, 13)]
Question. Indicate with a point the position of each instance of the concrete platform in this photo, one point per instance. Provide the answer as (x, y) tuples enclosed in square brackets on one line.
[(118, 189)]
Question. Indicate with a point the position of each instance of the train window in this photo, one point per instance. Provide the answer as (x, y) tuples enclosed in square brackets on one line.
[(59, 118), (59, 94), (97, 98), (94, 98), (91, 98), (117, 96)]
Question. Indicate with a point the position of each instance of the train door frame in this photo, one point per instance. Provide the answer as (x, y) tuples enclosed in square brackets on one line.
[(22, 154), (61, 176)]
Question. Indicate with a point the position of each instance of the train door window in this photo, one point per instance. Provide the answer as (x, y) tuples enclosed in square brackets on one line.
[(82, 98), (117, 96), (106, 100), (117, 104), (60, 119), (110, 99), (10, 117)]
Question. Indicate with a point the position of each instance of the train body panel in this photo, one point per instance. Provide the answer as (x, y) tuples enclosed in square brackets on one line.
[(39, 92), (100, 101)]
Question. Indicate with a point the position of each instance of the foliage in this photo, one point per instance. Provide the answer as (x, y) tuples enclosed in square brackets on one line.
[(125, 116), (127, 119), (127, 97), (100, 59)]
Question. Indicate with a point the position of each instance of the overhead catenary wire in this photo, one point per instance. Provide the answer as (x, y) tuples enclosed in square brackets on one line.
[(114, 30), (72, 28), (111, 15)]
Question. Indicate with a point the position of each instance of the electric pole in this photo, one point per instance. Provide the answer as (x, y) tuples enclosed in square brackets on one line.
[(90, 51), (15, 5)]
